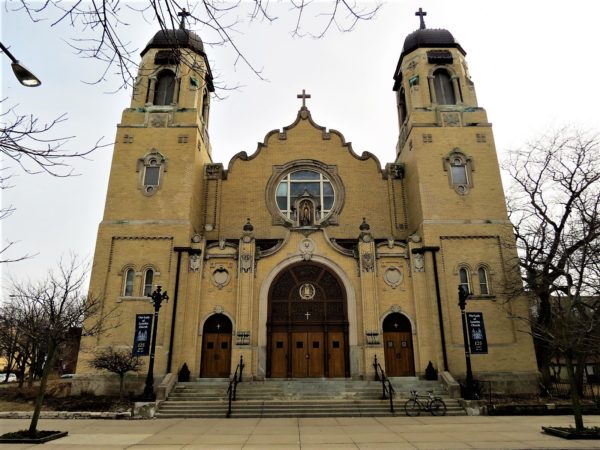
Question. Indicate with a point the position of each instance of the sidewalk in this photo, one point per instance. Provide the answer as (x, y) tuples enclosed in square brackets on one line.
[(461, 432)]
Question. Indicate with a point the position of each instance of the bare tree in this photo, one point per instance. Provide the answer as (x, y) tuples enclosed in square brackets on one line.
[(45, 311), (98, 24), (33, 148), (119, 362), (554, 205)]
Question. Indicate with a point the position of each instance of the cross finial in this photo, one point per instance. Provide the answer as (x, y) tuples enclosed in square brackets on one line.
[(307, 314), (183, 14), (421, 15), (303, 96)]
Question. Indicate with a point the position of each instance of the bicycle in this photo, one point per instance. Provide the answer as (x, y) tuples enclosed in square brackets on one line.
[(415, 404)]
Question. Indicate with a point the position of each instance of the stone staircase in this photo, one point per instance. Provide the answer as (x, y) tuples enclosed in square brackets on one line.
[(296, 398)]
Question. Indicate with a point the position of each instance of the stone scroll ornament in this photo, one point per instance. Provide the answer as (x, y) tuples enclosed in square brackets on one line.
[(194, 263), (367, 262), (418, 262), (246, 262)]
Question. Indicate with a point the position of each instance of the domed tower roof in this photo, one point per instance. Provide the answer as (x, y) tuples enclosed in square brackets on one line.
[(425, 38), (180, 38)]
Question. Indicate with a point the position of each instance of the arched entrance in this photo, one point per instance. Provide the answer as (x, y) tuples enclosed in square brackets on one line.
[(307, 324), (397, 339), (216, 347)]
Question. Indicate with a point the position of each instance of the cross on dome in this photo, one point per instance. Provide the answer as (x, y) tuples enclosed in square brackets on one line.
[(421, 15), (183, 14)]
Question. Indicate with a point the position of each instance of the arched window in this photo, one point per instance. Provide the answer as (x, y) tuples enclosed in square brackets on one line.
[(165, 88), (444, 91), (128, 285), (463, 275), (402, 105), (148, 279), (484, 286)]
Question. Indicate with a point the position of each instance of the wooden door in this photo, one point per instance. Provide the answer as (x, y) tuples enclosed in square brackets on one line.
[(216, 355), (399, 360), (279, 354), (308, 354), (299, 355), (316, 354), (336, 354)]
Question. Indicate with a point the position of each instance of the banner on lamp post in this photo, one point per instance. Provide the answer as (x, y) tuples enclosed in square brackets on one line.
[(477, 337), (141, 339)]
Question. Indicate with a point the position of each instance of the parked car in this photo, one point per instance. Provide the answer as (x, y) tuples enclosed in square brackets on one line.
[(11, 377)]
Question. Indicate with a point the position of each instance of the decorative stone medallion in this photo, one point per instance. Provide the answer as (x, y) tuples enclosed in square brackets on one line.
[(367, 262), (195, 263), (393, 277), (307, 291), (221, 277), (306, 247), (218, 309), (246, 262), (418, 262), (395, 308)]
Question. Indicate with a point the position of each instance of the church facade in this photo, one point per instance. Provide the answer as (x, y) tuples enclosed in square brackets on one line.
[(306, 258)]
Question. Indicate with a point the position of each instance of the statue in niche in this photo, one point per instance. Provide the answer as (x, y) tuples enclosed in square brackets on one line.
[(305, 213)]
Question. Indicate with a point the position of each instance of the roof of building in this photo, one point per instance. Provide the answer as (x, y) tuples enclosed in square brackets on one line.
[(180, 38)]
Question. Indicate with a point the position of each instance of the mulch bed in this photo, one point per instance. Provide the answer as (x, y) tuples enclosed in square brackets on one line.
[(572, 433), (23, 437)]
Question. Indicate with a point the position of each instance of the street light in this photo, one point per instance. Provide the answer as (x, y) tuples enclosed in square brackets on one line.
[(469, 393), (157, 299), (25, 77)]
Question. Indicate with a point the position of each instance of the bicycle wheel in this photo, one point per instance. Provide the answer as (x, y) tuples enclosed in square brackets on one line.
[(437, 407), (412, 408)]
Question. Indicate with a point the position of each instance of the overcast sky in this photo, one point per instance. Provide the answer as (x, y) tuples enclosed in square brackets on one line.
[(534, 64)]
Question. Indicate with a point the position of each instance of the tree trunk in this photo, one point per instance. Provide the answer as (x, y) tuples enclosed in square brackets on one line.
[(121, 385), (574, 393), (579, 371), (39, 399)]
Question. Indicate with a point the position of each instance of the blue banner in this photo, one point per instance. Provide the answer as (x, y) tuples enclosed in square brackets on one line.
[(477, 338), (141, 339)]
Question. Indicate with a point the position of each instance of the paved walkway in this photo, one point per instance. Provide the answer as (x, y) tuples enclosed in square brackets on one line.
[(522, 432)]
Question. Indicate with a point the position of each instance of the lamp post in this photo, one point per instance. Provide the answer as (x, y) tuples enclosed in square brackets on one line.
[(157, 299), (462, 302), (25, 77)]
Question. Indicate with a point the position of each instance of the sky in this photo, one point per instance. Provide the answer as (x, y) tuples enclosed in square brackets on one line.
[(534, 65)]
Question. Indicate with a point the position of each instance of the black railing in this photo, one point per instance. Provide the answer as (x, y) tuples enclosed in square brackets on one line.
[(387, 390), (233, 382)]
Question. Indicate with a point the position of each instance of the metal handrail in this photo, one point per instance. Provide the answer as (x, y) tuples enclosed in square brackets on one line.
[(386, 385), (233, 382)]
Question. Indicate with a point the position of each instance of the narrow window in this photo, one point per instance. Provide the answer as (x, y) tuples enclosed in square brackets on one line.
[(165, 87), (151, 168), (483, 281), (464, 280), (128, 288), (458, 169), (402, 105), (148, 279), (444, 92)]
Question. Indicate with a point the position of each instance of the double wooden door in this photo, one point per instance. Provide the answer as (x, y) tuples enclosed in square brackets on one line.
[(399, 359), (302, 354), (216, 355)]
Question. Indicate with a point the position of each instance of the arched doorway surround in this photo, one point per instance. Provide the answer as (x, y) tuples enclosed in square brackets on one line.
[(216, 347), (353, 364), (398, 346), (307, 325)]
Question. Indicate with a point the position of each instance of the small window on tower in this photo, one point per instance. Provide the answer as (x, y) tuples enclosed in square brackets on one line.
[(459, 168), (128, 284), (165, 88), (465, 282), (151, 168), (444, 91), (148, 279)]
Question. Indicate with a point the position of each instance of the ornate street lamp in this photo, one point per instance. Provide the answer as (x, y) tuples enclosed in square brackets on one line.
[(469, 393), (157, 299), (25, 77)]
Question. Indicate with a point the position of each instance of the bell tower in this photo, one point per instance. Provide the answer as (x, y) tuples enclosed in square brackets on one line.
[(458, 227), (151, 228)]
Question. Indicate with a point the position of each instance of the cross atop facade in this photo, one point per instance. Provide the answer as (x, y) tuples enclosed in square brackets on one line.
[(303, 96), (307, 314), (183, 14), (421, 15)]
